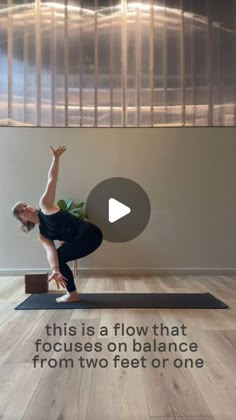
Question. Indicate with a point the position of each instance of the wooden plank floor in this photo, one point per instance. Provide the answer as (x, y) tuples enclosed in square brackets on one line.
[(137, 393)]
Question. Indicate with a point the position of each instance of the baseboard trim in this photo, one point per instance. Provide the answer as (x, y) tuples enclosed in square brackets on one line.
[(83, 272)]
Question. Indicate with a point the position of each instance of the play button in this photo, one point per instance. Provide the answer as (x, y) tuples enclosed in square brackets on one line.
[(120, 208), (117, 210)]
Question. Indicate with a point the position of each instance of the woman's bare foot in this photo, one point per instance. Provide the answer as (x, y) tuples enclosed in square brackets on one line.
[(69, 297)]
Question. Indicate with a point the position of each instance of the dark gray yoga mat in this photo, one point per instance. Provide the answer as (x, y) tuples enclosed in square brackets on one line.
[(125, 300)]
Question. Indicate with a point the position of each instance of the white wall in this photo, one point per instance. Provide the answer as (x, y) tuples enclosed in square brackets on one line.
[(189, 175)]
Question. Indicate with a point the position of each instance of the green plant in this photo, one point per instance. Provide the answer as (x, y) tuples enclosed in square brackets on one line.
[(76, 210)]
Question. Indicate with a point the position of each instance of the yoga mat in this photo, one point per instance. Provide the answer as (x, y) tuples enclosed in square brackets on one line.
[(125, 300)]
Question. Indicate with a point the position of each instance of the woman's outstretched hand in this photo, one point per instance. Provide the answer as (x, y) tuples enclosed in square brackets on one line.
[(59, 279), (58, 151)]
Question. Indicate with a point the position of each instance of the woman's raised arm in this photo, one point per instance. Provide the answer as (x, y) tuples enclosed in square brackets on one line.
[(48, 197)]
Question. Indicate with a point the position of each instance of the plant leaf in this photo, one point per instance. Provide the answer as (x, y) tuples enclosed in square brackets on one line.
[(68, 204), (74, 211), (79, 206), (76, 214), (62, 204)]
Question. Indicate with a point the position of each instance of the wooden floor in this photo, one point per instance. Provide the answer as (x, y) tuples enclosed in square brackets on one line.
[(134, 393)]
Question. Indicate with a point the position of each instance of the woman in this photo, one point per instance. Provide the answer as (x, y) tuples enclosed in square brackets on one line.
[(80, 237)]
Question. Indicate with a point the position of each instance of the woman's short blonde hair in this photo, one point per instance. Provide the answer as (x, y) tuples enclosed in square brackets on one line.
[(24, 226)]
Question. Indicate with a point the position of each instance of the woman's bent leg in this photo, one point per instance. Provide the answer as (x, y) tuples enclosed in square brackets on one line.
[(82, 245)]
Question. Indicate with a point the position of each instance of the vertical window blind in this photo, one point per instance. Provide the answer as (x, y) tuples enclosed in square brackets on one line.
[(117, 63)]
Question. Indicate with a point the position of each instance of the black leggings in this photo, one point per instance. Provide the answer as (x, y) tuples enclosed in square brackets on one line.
[(87, 240)]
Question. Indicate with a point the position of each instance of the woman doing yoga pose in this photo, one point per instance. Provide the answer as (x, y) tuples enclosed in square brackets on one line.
[(80, 237)]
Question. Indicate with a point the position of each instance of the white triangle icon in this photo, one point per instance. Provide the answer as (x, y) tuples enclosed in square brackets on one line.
[(117, 210)]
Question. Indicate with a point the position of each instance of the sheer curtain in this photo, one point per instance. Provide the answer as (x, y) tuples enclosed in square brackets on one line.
[(117, 63)]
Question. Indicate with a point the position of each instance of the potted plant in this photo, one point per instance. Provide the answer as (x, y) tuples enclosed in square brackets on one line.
[(76, 210)]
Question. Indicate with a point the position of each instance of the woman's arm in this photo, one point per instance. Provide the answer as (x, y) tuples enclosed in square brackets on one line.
[(52, 258), (48, 197)]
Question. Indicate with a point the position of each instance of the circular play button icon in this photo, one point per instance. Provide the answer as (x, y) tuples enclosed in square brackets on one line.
[(120, 208)]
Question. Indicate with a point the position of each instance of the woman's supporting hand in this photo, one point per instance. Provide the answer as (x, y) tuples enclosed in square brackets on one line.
[(58, 151), (59, 279)]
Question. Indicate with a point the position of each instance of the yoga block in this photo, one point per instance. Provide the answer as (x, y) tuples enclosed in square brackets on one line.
[(36, 283)]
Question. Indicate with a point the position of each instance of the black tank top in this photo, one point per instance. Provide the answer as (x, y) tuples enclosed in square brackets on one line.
[(62, 226)]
